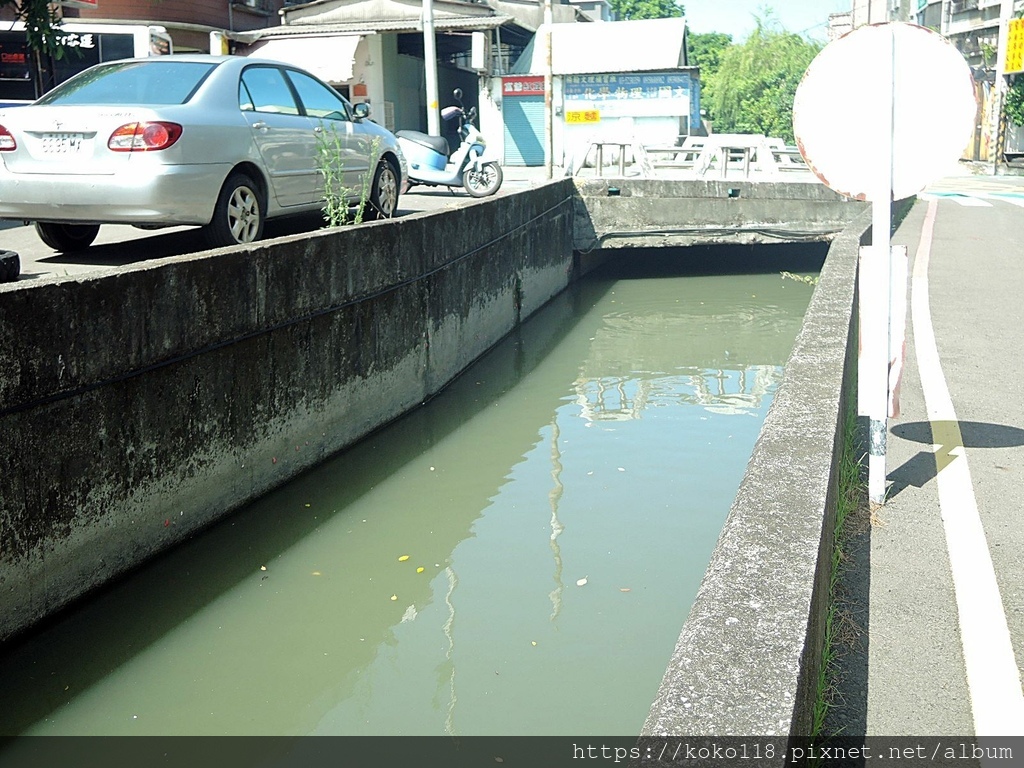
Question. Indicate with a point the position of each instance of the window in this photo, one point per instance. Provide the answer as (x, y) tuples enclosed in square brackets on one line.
[(137, 82), (264, 89), (318, 100)]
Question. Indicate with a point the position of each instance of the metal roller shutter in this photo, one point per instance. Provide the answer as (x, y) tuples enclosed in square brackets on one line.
[(524, 130)]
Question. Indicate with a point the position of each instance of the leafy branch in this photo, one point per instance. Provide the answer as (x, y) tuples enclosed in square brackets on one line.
[(1014, 104), (42, 24)]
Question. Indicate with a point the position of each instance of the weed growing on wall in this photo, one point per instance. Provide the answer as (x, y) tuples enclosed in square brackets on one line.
[(342, 204), (840, 627)]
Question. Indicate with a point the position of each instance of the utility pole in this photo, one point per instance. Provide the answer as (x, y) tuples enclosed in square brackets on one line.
[(430, 68), (549, 123)]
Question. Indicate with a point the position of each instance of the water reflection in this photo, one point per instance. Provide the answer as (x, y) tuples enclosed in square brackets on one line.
[(516, 557)]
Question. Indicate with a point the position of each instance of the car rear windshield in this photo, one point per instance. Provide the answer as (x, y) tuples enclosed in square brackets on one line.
[(147, 83)]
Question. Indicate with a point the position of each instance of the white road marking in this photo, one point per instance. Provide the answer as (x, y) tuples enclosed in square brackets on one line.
[(1017, 200), (967, 200), (993, 678), (976, 199)]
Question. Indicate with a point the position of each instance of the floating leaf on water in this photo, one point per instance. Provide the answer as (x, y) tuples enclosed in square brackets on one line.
[(533, 642), (420, 569), (581, 582), (394, 597), (625, 589), (263, 567), (317, 573), (403, 558)]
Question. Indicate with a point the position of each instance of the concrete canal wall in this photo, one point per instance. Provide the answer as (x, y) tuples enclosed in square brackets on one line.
[(748, 656), (652, 213), (139, 406)]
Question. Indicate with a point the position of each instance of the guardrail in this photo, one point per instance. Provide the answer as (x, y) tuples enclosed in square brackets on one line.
[(723, 156)]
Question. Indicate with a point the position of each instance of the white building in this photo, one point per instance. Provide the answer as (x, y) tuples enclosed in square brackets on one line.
[(625, 79)]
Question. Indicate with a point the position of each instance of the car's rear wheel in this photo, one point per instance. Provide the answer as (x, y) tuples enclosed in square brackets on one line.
[(10, 266), (67, 238), (384, 192), (239, 214)]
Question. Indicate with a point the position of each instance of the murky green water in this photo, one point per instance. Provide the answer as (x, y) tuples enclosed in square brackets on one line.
[(517, 557)]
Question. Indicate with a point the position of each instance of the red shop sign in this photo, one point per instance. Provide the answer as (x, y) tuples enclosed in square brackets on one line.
[(523, 85)]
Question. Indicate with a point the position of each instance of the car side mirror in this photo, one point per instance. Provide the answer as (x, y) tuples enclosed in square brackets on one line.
[(361, 110)]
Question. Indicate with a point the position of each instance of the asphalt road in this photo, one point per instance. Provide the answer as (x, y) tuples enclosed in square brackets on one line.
[(119, 245), (919, 653)]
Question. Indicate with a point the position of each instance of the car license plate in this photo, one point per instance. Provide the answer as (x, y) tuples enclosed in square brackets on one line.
[(62, 143)]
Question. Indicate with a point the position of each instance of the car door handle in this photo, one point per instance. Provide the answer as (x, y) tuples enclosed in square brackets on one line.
[(318, 129), (259, 125)]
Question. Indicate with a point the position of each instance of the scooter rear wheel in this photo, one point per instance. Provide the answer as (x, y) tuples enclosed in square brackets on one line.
[(483, 182)]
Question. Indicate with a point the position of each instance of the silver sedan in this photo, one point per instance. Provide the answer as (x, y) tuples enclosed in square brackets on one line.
[(223, 142)]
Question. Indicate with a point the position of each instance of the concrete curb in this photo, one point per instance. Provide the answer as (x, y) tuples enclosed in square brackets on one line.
[(748, 656)]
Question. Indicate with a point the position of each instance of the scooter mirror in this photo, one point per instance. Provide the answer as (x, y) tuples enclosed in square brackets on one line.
[(458, 95)]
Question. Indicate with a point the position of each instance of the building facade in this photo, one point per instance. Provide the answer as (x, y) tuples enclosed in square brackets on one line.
[(626, 81), (973, 27), (189, 22)]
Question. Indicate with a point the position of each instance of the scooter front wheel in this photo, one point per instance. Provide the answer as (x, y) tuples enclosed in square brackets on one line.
[(482, 182)]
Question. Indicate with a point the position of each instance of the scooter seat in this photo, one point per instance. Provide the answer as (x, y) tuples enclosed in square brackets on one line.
[(435, 143)]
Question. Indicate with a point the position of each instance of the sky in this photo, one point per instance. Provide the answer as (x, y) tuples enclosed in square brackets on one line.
[(735, 17)]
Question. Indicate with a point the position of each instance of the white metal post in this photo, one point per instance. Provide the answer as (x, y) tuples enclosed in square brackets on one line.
[(430, 68), (899, 265), (873, 365), (549, 121)]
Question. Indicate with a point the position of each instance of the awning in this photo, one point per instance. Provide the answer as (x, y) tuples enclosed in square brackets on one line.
[(329, 57)]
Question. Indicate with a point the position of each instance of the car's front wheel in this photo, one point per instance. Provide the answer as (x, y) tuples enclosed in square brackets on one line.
[(239, 214), (384, 192), (67, 238)]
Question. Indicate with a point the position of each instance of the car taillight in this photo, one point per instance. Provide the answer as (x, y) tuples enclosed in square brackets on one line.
[(7, 142), (143, 137)]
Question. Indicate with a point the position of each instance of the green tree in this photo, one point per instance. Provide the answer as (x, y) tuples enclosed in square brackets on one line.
[(705, 50), (755, 85), (42, 31), (646, 9), (1014, 105), (42, 24)]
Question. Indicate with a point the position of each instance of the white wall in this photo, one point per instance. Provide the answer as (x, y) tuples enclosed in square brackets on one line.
[(570, 138)]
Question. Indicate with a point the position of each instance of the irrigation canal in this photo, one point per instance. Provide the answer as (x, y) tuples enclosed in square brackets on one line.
[(515, 557)]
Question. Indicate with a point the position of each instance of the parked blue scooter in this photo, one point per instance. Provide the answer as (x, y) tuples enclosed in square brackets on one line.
[(469, 167)]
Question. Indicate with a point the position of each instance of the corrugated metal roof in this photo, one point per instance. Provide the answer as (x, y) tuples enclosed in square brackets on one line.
[(646, 45), (370, 27)]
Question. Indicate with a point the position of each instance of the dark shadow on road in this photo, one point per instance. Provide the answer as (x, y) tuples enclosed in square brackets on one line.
[(923, 466), (976, 434)]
